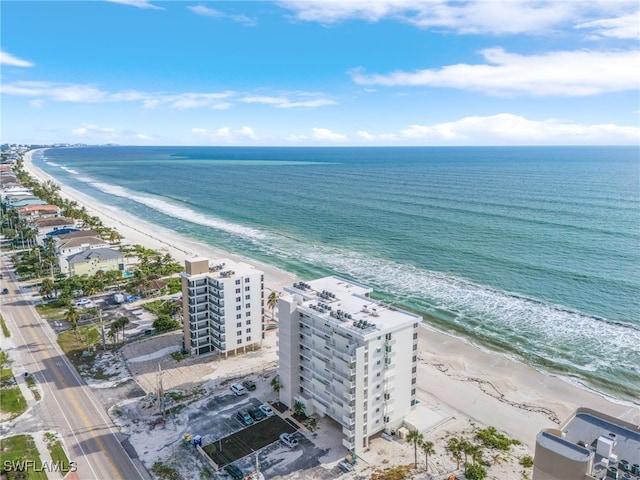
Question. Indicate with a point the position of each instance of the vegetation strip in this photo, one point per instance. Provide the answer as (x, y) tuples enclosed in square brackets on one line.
[(20, 454), (5, 329)]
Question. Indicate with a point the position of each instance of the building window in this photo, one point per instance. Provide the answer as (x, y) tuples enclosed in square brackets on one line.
[(249, 338), (378, 374), (238, 282), (413, 391), (415, 335), (248, 330), (248, 314), (247, 305), (239, 341), (415, 325), (415, 347), (239, 333), (247, 288), (378, 410), (387, 336), (413, 381), (239, 324), (248, 322), (237, 290), (414, 358), (247, 297), (246, 280), (378, 362), (238, 299), (239, 307), (238, 316)]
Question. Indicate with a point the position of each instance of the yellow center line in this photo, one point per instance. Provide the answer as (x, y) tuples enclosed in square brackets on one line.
[(79, 409)]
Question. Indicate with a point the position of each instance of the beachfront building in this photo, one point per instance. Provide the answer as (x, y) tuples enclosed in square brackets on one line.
[(589, 445), (346, 356), (66, 248), (88, 262), (223, 306)]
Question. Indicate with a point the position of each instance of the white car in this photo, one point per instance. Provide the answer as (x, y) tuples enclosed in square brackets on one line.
[(267, 410), (83, 303), (288, 440), (238, 389)]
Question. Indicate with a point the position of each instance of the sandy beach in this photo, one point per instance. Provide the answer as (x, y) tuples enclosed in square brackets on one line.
[(467, 383)]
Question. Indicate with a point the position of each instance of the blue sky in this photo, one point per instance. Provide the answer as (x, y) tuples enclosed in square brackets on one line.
[(382, 72)]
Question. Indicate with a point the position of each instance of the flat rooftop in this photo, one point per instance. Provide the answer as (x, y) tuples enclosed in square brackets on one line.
[(347, 303), (612, 442), (225, 268)]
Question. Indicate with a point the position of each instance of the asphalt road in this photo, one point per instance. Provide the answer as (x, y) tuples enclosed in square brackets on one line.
[(68, 405)]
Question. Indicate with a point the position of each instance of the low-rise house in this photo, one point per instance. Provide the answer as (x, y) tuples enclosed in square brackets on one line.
[(38, 210), (71, 246), (47, 225), (87, 263)]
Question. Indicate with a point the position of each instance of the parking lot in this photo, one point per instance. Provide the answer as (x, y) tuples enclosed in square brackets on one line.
[(248, 440)]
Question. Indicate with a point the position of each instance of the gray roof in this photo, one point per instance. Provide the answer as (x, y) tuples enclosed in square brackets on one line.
[(79, 241), (100, 253), (78, 234)]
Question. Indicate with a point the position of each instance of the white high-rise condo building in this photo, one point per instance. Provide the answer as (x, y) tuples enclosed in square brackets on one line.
[(223, 305), (346, 356)]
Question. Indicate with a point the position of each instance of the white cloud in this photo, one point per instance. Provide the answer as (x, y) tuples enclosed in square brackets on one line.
[(624, 26), (226, 134), (13, 61), (82, 93), (296, 138), (141, 136), (284, 102), (509, 129), (567, 73), (247, 132), (206, 11), (37, 103), (92, 128), (213, 13), (365, 135), (138, 3), (326, 135), (494, 17)]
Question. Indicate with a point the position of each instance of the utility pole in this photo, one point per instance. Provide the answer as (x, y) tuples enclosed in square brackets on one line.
[(104, 341), (161, 391)]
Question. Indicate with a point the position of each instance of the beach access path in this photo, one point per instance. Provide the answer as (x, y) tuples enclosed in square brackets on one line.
[(454, 375)]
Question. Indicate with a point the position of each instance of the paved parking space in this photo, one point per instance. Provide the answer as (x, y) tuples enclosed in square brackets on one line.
[(248, 440)]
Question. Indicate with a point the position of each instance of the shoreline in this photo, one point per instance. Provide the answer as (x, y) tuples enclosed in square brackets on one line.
[(456, 375)]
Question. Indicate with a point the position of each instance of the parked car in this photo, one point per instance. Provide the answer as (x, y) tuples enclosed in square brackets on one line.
[(244, 417), (267, 410), (256, 414), (288, 440), (83, 302), (249, 385), (234, 471), (5, 291), (238, 389)]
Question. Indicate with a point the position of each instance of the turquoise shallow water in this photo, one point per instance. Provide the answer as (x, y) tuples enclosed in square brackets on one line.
[(531, 251)]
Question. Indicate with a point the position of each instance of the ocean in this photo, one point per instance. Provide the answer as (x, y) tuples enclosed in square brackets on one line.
[(533, 252)]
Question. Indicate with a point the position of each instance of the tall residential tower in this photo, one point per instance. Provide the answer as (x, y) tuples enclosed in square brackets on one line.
[(346, 356), (222, 306)]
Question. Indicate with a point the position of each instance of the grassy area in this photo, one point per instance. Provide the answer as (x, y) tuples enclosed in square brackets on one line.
[(31, 382), (21, 448), (73, 345), (52, 309), (5, 329), (165, 472), (58, 455), (5, 374), (12, 401), (177, 356)]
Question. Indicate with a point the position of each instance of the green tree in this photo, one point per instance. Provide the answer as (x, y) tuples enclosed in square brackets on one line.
[(475, 472), (164, 323), (276, 385), (298, 409), (453, 445), (272, 301), (427, 448), (415, 437), (72, 316), (47, 288)]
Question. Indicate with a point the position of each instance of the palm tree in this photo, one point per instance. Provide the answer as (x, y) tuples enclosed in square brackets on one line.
[(47, 287), (415, 437), (272, 301), (120, 324), (456, 450), (72, 316), (276, 385), (427, 448)]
